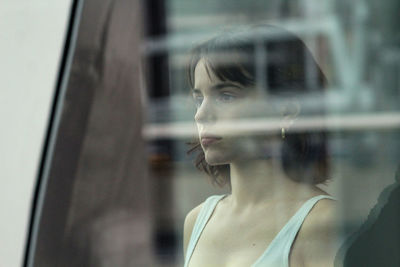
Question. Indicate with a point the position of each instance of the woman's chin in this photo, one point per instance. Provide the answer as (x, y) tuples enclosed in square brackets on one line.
[(214, 159)]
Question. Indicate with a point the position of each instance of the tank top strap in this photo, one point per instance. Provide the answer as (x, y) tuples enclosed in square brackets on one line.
[(277, 253), (201, 221), (295, 223), (285, 238)]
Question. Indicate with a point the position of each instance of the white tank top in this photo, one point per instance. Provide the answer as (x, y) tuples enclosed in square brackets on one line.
[(277, 253)]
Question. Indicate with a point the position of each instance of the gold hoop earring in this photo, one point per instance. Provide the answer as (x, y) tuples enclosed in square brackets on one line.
[(283, 133)]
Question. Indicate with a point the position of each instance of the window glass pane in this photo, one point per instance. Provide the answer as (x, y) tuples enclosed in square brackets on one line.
[(240, 132), (325, 113)]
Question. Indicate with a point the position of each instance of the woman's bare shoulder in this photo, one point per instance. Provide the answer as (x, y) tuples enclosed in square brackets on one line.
[(190, 220), (325, 209), (192, 216), (318, 236)]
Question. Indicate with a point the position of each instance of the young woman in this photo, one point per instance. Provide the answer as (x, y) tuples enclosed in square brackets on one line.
[(275, 214)]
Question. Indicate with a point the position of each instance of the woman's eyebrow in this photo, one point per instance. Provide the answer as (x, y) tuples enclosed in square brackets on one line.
[(217, 87), (222, 85)]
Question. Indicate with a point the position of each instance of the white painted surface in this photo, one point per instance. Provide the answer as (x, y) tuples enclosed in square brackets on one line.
[(31, 42)]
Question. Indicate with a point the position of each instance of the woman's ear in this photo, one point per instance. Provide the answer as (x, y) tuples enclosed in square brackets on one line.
[(290, 112), (291, 108)]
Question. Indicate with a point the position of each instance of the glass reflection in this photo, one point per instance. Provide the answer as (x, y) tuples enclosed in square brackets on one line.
[(273, 177)]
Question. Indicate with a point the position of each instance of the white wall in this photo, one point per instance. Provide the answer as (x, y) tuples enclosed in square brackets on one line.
[(31, 42)]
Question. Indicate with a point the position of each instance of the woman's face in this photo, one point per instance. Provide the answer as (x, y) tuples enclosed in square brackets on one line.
[(220, 105)]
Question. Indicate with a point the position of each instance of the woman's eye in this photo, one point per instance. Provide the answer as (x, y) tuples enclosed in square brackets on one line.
[(225, 97), (198, 100)]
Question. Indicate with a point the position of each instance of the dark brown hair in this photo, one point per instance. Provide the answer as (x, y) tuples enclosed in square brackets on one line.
[(304, 155)]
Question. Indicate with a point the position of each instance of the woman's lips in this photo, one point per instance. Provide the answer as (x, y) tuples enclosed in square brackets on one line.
[(209, 140)]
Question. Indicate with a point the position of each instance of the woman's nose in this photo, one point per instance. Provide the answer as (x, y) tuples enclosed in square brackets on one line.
[(205, 113)]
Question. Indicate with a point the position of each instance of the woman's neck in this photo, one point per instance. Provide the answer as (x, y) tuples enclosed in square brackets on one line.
[(259, 182)]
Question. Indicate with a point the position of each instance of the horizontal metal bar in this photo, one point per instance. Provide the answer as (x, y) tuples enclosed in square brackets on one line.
[(351, 122)]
